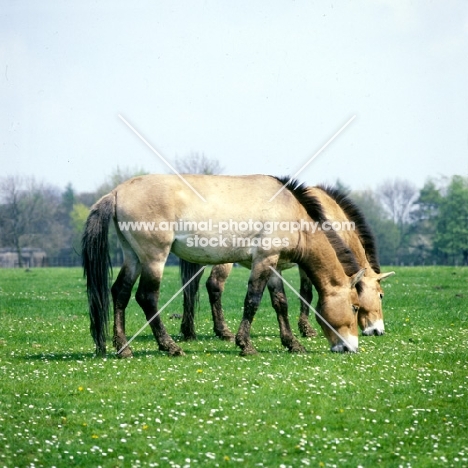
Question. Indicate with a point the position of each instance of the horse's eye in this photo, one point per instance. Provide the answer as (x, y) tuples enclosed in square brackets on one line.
[(355, 308), (381, 296)]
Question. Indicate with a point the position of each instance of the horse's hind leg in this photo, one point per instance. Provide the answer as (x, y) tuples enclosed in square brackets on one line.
[(121, 292), (305, 291), (215, 287), (280, 304), (258, 278), (147, 296)]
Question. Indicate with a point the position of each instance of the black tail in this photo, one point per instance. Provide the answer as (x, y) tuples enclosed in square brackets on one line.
[(97, 268), (192, 292), (188, 271)]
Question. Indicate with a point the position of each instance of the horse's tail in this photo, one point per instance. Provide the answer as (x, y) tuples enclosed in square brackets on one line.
[(97, 268), (188, 271)]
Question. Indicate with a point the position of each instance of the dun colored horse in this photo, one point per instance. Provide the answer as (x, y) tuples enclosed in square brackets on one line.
[(338, 208), (156, 214)]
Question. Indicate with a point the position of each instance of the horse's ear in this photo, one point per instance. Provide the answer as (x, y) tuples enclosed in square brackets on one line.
[(357, 277), (385, 275)]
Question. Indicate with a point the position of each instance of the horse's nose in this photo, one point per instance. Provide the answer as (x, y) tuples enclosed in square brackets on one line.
[(343, 348), (373, 330), (338, 348)]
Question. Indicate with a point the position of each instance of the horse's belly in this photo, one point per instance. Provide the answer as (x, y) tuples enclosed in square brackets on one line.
[(212, 249)]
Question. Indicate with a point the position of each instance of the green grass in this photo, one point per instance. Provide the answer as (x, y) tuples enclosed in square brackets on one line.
[(400, 401)]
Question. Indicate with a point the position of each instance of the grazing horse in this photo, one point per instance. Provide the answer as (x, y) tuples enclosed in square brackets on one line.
[(338, 208), (156, 214)]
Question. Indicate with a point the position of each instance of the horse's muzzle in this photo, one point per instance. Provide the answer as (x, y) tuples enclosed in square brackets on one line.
[(342, 347), (377, 329), (373, 332)]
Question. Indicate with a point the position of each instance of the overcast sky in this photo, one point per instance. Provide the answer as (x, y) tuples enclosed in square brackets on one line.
[(259, 85)]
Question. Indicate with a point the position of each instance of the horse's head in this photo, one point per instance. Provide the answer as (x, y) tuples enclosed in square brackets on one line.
[(370, 316), (338, 309)]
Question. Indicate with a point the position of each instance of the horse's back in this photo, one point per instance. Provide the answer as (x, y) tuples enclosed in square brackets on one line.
[(168, 197)]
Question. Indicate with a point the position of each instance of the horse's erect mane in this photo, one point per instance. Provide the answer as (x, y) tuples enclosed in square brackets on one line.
[(314, 209), (364, 231)]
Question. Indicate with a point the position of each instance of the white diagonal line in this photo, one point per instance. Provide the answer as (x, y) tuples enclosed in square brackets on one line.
[(313, 157), (313, 310), (161, 309), (159, 156)]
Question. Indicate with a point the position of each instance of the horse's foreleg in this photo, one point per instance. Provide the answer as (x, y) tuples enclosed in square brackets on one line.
[(280, 304), (121, 292), (215, 287), (147, 297), (305, 291)]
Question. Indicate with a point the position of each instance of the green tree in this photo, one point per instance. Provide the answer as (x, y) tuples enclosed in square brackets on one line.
[(424, 224), (452, 224), (66, 205), (78, 217)]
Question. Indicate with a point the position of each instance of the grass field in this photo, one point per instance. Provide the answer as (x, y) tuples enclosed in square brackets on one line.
[(401, 401)]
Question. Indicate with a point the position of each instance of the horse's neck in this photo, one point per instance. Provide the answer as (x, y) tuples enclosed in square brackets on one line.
[(321, 263), (334, 211), (351, 239)]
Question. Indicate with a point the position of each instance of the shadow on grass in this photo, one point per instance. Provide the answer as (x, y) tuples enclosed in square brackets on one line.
[(58, 357), (148, 338), (210, 337), (155, 353)]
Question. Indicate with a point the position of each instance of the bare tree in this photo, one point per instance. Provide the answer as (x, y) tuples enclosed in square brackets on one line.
[(197, 163), (27, 214), (399, 199)]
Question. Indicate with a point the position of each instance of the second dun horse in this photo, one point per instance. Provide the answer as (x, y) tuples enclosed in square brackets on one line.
[(182, 216), (355, 232)]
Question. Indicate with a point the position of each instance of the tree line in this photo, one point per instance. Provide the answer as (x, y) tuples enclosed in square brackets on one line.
[(412, 226)]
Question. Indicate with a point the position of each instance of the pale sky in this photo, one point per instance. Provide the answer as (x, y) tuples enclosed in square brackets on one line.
[(259, 85)]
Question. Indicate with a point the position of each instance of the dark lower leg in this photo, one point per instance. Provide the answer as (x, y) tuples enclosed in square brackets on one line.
[(215, 289), (255, 289), (279, 303), (121, 292), (305, 328), (147, 297), (243, 334)]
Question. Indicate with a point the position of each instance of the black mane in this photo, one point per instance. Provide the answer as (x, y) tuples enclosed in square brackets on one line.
[(363, 229), (314, 209)]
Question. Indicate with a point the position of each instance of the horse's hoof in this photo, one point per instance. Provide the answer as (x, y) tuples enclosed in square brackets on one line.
[(248, 351), (308, 332), (297, 348), (189, 337), (101, 353), (171, 348), (226, 336), (125, 353), (173, 352)]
